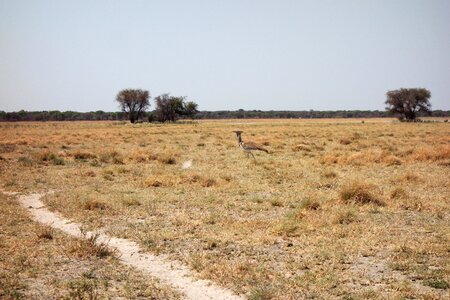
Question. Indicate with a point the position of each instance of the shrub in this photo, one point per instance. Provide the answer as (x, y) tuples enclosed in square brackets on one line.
[(111, 157), (83, 155), (25, 161), (437, 284), (409, 177), (345, 141), (392, 160), (286, 228), (301, 147), (131, 202), (58, 161), (432, 153), (276, 202), (158, 181), (167, 158), (45, 155), (398, 193), (49, 156), (191, 178), (309, 204), (139, 158), (360, 193), (94, 205), (330, 174), (345, 216), (263, 292), (45, 233), (90, 173), (208, 182), (89, 246)]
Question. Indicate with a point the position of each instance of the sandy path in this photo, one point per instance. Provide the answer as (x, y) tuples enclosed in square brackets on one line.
[(169, 272)]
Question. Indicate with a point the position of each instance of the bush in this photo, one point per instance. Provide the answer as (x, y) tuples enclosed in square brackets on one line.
[(45, 156), (360, 193), (398, 193), (344, 217), (94, 205), (83, 155), (111, 157), (89, 245), (437, 284), (167, 158), (309, 204)]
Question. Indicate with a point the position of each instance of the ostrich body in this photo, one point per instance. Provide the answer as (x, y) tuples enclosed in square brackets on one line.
[(248, 147)]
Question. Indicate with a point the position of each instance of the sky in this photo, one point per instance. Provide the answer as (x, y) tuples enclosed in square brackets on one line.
[(224, 55)]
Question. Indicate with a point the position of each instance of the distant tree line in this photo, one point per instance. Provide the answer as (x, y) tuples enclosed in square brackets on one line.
[(56, 115), (224, 114), (305, 114)]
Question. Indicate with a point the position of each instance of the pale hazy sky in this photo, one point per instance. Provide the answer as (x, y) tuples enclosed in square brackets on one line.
[(280, 55)]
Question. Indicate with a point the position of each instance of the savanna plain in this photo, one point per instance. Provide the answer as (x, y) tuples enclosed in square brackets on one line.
[(338, 209)]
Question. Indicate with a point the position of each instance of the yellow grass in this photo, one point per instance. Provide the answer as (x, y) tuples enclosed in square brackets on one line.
[(338, 209), (37, 262)]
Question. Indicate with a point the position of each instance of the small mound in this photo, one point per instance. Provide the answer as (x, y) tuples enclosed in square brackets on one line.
[(360, 193)]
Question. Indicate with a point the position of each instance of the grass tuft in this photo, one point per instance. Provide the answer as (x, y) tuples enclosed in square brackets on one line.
[(167, 158), (261, 293), (89, 245), (398, 193), (437, 284), (83, 155), (359, 193), (309, 204), (344, 216), (93, 204), (46, 233)]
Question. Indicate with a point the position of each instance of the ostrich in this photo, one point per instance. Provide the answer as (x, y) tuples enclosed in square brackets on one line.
[(248, 147)]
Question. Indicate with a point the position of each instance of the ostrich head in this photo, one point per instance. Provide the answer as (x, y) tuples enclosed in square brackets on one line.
[(238, 134)]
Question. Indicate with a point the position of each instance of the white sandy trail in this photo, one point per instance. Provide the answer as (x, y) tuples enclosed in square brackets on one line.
[(168, 272)]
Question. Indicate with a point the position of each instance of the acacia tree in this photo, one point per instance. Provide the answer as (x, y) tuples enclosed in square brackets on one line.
[(407, 102), (170, 108), (134, 102), (190, 108)]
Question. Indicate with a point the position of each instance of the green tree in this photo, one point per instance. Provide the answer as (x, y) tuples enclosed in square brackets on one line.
[(190, 108), (133, 102), (408, 102), (170, 108)]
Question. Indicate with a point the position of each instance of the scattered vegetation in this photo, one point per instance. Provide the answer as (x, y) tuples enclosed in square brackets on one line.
[(317, 218), (37, 262)]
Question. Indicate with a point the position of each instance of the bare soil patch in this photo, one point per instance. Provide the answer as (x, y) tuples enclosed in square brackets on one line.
[(169, 272)]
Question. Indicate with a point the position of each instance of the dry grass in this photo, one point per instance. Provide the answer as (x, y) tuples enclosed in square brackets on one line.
[(92, 204), (360, 193), (338, 209), (89, 246), (37, 262)]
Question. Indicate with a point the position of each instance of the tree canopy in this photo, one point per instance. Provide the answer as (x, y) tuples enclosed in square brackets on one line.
[(134, 102), (170, 108), (408, 102)]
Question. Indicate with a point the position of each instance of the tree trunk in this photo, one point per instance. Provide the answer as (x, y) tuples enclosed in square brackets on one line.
[(410, 115)]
